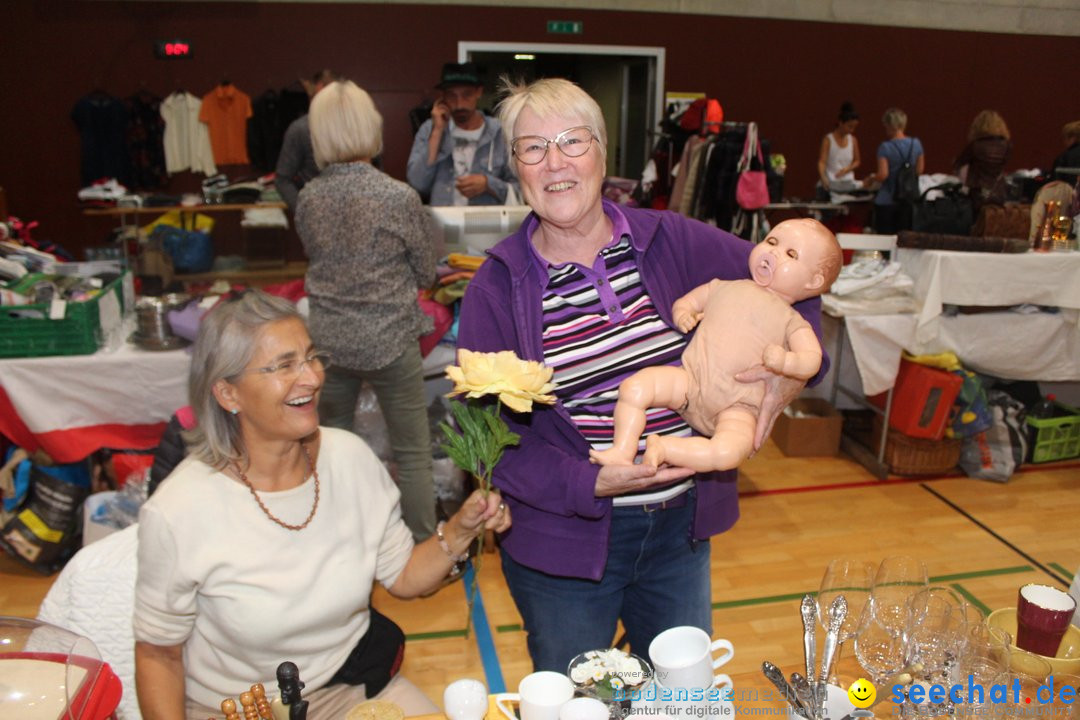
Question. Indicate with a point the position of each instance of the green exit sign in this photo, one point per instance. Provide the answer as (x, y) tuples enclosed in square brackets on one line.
[(565, 27)]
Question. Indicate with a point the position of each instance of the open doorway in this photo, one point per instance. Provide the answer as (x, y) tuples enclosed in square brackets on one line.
[(626, 82)]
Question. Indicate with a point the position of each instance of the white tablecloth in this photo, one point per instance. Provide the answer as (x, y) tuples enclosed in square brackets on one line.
[(1040, 346), (949, 277), (67, 401)]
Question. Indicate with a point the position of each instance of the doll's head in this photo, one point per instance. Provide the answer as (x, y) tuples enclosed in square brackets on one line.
[(798, 259)]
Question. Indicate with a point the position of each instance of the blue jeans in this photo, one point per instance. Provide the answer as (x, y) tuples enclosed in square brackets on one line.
[(655, 578)]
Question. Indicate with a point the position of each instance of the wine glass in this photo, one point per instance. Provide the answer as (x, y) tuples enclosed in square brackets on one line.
[(852, 579), (880, 652), (897, 579), (935, 632)]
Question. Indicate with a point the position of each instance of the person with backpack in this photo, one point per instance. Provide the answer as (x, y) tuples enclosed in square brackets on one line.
[(900, 162)]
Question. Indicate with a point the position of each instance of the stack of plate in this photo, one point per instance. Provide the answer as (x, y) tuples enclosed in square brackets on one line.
[(153, 331)]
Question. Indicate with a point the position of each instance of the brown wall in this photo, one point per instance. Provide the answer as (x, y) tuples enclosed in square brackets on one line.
[(789, 76)]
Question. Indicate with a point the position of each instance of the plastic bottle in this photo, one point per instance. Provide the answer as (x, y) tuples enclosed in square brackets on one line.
[(1043, 409)]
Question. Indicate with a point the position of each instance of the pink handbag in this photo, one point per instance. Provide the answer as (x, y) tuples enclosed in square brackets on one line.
[(751, 190)]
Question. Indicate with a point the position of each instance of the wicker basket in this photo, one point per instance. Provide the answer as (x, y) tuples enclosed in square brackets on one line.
[(907, 455)]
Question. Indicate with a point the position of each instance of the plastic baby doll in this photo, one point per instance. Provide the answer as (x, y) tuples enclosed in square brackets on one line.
[(743, 323)]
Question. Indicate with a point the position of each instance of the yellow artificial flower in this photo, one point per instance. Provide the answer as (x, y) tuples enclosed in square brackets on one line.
[(518, 383)]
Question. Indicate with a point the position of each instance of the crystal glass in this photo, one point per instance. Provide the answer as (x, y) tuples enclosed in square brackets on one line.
[(897, 579), (880, 652), (935, 633), (852, 579), (985, 655), (1031, 671)]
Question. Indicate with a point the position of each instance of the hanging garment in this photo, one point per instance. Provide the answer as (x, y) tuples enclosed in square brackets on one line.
[(226, 110), (186, 139), (102, 123), (265, 131), (145, 141)]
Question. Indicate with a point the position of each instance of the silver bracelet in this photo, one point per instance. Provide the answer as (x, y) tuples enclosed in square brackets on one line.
[(446, 546)]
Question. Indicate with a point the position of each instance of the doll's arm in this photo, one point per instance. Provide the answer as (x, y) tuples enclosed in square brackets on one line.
[(688, 310), (801, 361)]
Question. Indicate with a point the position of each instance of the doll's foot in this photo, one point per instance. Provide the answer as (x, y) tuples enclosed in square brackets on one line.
[(611, 456), (654, 451)]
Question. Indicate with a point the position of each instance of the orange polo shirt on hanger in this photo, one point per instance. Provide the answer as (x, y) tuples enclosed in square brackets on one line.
[(225, 110)]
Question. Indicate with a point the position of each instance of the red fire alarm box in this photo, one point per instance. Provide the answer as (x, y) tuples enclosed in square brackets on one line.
[(922, 398)]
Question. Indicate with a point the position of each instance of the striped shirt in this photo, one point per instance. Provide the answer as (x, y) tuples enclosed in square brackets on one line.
[(599, 327)]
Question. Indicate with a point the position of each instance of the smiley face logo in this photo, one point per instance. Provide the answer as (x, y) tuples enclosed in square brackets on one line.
[(862, 693)]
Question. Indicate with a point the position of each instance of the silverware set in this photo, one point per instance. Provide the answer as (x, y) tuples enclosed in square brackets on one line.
[(806, 694)]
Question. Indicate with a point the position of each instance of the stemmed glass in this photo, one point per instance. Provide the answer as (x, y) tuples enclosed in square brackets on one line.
[(936, 631), (897, 579), (881, 653), (852, 579)]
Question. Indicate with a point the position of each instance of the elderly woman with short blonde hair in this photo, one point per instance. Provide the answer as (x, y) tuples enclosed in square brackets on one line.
[(587, 286), (369, 249)]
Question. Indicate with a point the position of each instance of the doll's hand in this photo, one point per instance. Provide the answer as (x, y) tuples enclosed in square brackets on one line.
[(780, 390), (687, 321), (773, 357)]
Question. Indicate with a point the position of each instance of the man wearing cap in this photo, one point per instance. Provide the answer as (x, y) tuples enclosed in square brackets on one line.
[(459, 156)]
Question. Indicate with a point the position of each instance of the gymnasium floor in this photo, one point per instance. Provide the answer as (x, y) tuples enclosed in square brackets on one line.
[(981, 538)]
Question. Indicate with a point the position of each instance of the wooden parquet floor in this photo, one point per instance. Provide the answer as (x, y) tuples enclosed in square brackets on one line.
[(981, 538)]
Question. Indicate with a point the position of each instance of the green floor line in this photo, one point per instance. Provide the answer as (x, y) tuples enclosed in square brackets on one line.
[(1061, 570), (436, 635), (515, 627), (982, 607), (981, 574), (728, 604), (758, 601)]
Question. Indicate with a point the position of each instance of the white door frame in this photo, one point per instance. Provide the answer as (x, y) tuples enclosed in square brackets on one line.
[(657, 53)]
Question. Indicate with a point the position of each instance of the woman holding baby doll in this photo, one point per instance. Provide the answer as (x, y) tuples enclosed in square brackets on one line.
[(587, 287)]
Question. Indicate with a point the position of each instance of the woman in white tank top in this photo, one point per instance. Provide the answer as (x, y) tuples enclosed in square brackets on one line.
[(839, 155)]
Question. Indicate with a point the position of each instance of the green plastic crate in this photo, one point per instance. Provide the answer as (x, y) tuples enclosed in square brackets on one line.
[(1056, 438), (78, 333)]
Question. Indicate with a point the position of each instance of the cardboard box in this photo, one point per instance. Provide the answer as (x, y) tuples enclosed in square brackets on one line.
[(817, 433)]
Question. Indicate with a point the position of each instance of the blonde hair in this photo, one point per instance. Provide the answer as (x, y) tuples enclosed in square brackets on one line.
[(988, 123), (345, 125), (223, 348), (548, 98), (894, 119)]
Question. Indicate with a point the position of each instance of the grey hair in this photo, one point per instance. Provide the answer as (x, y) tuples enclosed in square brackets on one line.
[(223, 348), (344, 123), (894, 119), (549, 98)]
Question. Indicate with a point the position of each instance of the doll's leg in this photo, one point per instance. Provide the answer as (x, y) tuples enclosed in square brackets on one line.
[(730, 444), (662, 386)]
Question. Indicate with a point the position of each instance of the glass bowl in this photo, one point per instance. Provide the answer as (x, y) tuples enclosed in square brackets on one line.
[(612, 676)]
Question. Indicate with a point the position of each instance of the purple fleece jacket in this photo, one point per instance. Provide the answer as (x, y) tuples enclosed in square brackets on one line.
[(560, 526)]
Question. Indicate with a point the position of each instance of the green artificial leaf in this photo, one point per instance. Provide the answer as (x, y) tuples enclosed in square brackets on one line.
[(466, 420), (458, 449)]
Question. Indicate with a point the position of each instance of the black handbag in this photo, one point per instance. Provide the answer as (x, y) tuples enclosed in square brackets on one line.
[(376, 658), (951, 213)]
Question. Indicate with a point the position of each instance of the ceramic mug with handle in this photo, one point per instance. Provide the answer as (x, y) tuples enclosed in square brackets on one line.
[(683, 658), (541, 695)]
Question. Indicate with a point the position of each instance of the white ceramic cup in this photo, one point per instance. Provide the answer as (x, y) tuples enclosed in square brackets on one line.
[(465, 699), (541, 695), (584, 708), (682, 658), (711, 704)]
